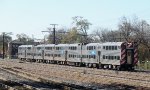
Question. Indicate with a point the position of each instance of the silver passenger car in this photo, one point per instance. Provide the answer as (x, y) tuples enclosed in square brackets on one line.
[(60, 53), (25, 52), (39, 53), (74, 54), (111, 53), (91, 54), (49, 52)]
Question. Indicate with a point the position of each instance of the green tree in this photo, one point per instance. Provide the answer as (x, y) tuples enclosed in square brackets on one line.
[(24, 38), (7, 39), (82, 25)]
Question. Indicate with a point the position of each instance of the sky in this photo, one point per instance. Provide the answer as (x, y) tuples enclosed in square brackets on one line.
[(33, 16)]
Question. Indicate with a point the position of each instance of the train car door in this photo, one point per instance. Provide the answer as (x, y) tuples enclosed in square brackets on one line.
[(99, 55), (25, 53), (66, 52), (130, 56), (43, 54)]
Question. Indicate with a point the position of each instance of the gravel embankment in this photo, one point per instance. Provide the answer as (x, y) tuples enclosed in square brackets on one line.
[(80, 75)]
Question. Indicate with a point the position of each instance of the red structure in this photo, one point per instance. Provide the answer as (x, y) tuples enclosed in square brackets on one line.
[(129, 55)]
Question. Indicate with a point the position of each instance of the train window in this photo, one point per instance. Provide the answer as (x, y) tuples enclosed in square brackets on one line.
[(48, 48), (56, 48), (89, 48), (103, 56), (75, 56), (84, 56), (69, 55), (103, 47), (94, 56), (29, 48), (89, 56), (106, 47), (118, 57), (49, 55), (59, 55), (115, 47), (94, 47), (112, 57), (115, 57), (109, 57), (109, 47), (38, 48), (106, 57), (119, 47), (75, 48)]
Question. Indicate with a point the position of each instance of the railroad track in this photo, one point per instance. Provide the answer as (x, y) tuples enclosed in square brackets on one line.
[(111, 75), (124, 75), (13, 81)]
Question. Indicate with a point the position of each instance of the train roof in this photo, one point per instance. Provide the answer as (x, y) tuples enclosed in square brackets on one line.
[(26, 45), (41, 45), (112, 43), (49, 45), (93, 44), (61, 45), (76, 44)]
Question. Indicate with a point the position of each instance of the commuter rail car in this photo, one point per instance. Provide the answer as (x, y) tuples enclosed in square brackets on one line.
[(112, 55)]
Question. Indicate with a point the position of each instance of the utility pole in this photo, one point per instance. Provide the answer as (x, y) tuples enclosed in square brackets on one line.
[(53, 32), (4, 34), (3, 46), (54, 29)]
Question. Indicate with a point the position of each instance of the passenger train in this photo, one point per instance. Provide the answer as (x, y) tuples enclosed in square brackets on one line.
[(112, 55)]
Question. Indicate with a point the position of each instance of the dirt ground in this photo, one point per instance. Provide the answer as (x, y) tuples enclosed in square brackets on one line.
[(90, 77)]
